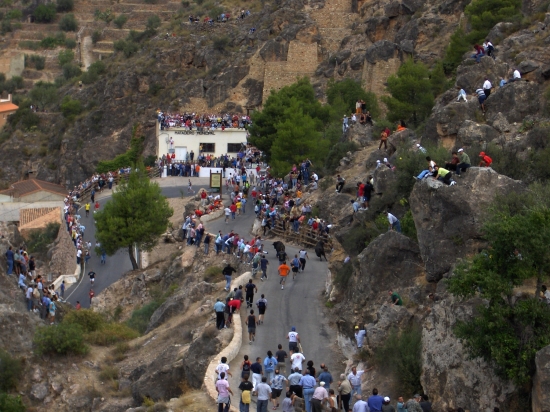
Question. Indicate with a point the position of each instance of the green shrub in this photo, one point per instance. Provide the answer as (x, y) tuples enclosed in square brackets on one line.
[(10, 371), (70, 43), (39, 239), (65, 5), (121, 348), (64, 57), (71, 108), (51, 42), (68, 23), (14, 14), (153, 22), (139, 320), (27, 118), (120, 20), (5, 27), (61, 339), (458, 46), (9, 403), (111, 333), (401, 355), (96, 36), (45, 13), (408, 227), (485, 14), (221, 43), (106, 15), (326, 183), (94, 71), (39, 62), (343, 274), (349, 91), (71, 70), (87, 319), (29, 44), (127, 47), (11, 85), (108, 373), (212, 274), (336, 153)]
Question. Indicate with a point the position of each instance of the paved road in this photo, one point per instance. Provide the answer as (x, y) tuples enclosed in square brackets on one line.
[(116, 265)]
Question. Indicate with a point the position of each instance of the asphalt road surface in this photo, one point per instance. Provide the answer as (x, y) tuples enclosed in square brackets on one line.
[(115, 265)]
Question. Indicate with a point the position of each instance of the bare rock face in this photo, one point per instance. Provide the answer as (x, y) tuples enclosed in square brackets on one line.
[(39, 391), (541, 381), (388, 317), (448, 219), (384, 179), (452, 379)]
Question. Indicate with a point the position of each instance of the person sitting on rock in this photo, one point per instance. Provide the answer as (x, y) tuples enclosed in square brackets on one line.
[(464, 162), (427, 172), (479, 53), (368, 118), (486, 161), (502, 82), (489, 48), (339, 183), (401, 126), (453, 163), (516, 76), (461, 94)]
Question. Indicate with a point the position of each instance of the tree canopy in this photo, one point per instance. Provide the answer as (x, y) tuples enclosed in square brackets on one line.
[(349, 91), (508, 330), (43, 94), (137, 214), (263, 131), (411, 93)]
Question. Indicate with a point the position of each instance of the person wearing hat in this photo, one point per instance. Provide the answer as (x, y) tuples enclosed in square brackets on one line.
[(464, 162), (486, 161), (320, 396), (360, 335), (293, 339), (413, 404), (386, 407), (420, 148)]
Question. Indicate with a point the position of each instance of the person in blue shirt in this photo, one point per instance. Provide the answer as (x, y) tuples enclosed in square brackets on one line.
[(219, 308), (9, 258), (308, 383), (269, 366), (375, 401), (22, 282), (325, 376)]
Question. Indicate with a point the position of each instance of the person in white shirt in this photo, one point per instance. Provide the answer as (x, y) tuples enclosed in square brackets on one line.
[(297, 359), (487, 86), (394, 223), (360, 335), (461, 95), (293, 340), (517, 74), (545, 294), (223, 367), (354, 379)]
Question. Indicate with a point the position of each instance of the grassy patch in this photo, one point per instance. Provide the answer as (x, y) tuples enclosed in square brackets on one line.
[(10, 371), (108, 373), (62, 339), (211, 273), (111, 333)]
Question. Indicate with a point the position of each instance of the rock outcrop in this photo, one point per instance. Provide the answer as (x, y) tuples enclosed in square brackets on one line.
[(450, 377), (541, 381), (449, 219)]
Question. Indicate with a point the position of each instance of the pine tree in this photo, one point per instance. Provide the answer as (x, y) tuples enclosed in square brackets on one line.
[(137, 215)]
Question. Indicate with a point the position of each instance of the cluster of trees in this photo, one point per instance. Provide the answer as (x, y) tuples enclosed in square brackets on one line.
[(509, 327)]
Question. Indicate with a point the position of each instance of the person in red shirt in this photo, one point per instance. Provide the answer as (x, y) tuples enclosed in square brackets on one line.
[(96, 206), (234, 306), (203, 197), (91, 294), (233, 209), (486, 161), (198, 213)]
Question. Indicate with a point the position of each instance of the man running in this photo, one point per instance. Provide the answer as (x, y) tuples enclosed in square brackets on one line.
[(295, 264), (251, 324), (283, 270), (91, 294), (262, 306), (293, 340), (263, 265), (303, 256), (92, 277), (250, 288), (190, 187)]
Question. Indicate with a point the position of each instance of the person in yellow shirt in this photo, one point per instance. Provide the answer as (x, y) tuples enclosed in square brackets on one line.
[(298, 194), (87, 206), (284, 270), (239, 206)]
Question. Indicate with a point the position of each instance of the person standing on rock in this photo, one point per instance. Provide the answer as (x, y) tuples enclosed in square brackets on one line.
[(219, 308), (227, 272), (395, 298), (251, 324), (394, 222), (354, 379), (257, 373), (360, 335), (250, 288), (262, 306), (246, 388), (223, 389)]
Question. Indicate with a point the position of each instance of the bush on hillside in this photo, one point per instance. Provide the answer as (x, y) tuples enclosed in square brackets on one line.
[(96, 36), (61, 339), (111, 333), (139, 320), (458, 46), (127, 47), (87, 319), (120, 20), (71, 108), (45, 13), (336, 153), (10, 371), (485, 14), (71, 70), (68, 23), (39, 239), (64, 57), (221, 43), (350, 91), (94, 71), (65, 5), (9, 403), (153, 22), (39, 62), (70, 43)]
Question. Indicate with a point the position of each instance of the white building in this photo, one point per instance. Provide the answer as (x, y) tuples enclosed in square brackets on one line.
[(181, 142)]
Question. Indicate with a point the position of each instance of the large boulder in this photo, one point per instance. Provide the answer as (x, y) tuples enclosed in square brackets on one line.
[(384, 179), (471, 133), (381, 50), (541, 381), (515, 100), (451, 378), (448, 219)]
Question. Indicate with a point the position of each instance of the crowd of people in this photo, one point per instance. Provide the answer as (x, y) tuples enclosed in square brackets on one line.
[(220, 18), (202, 122)]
